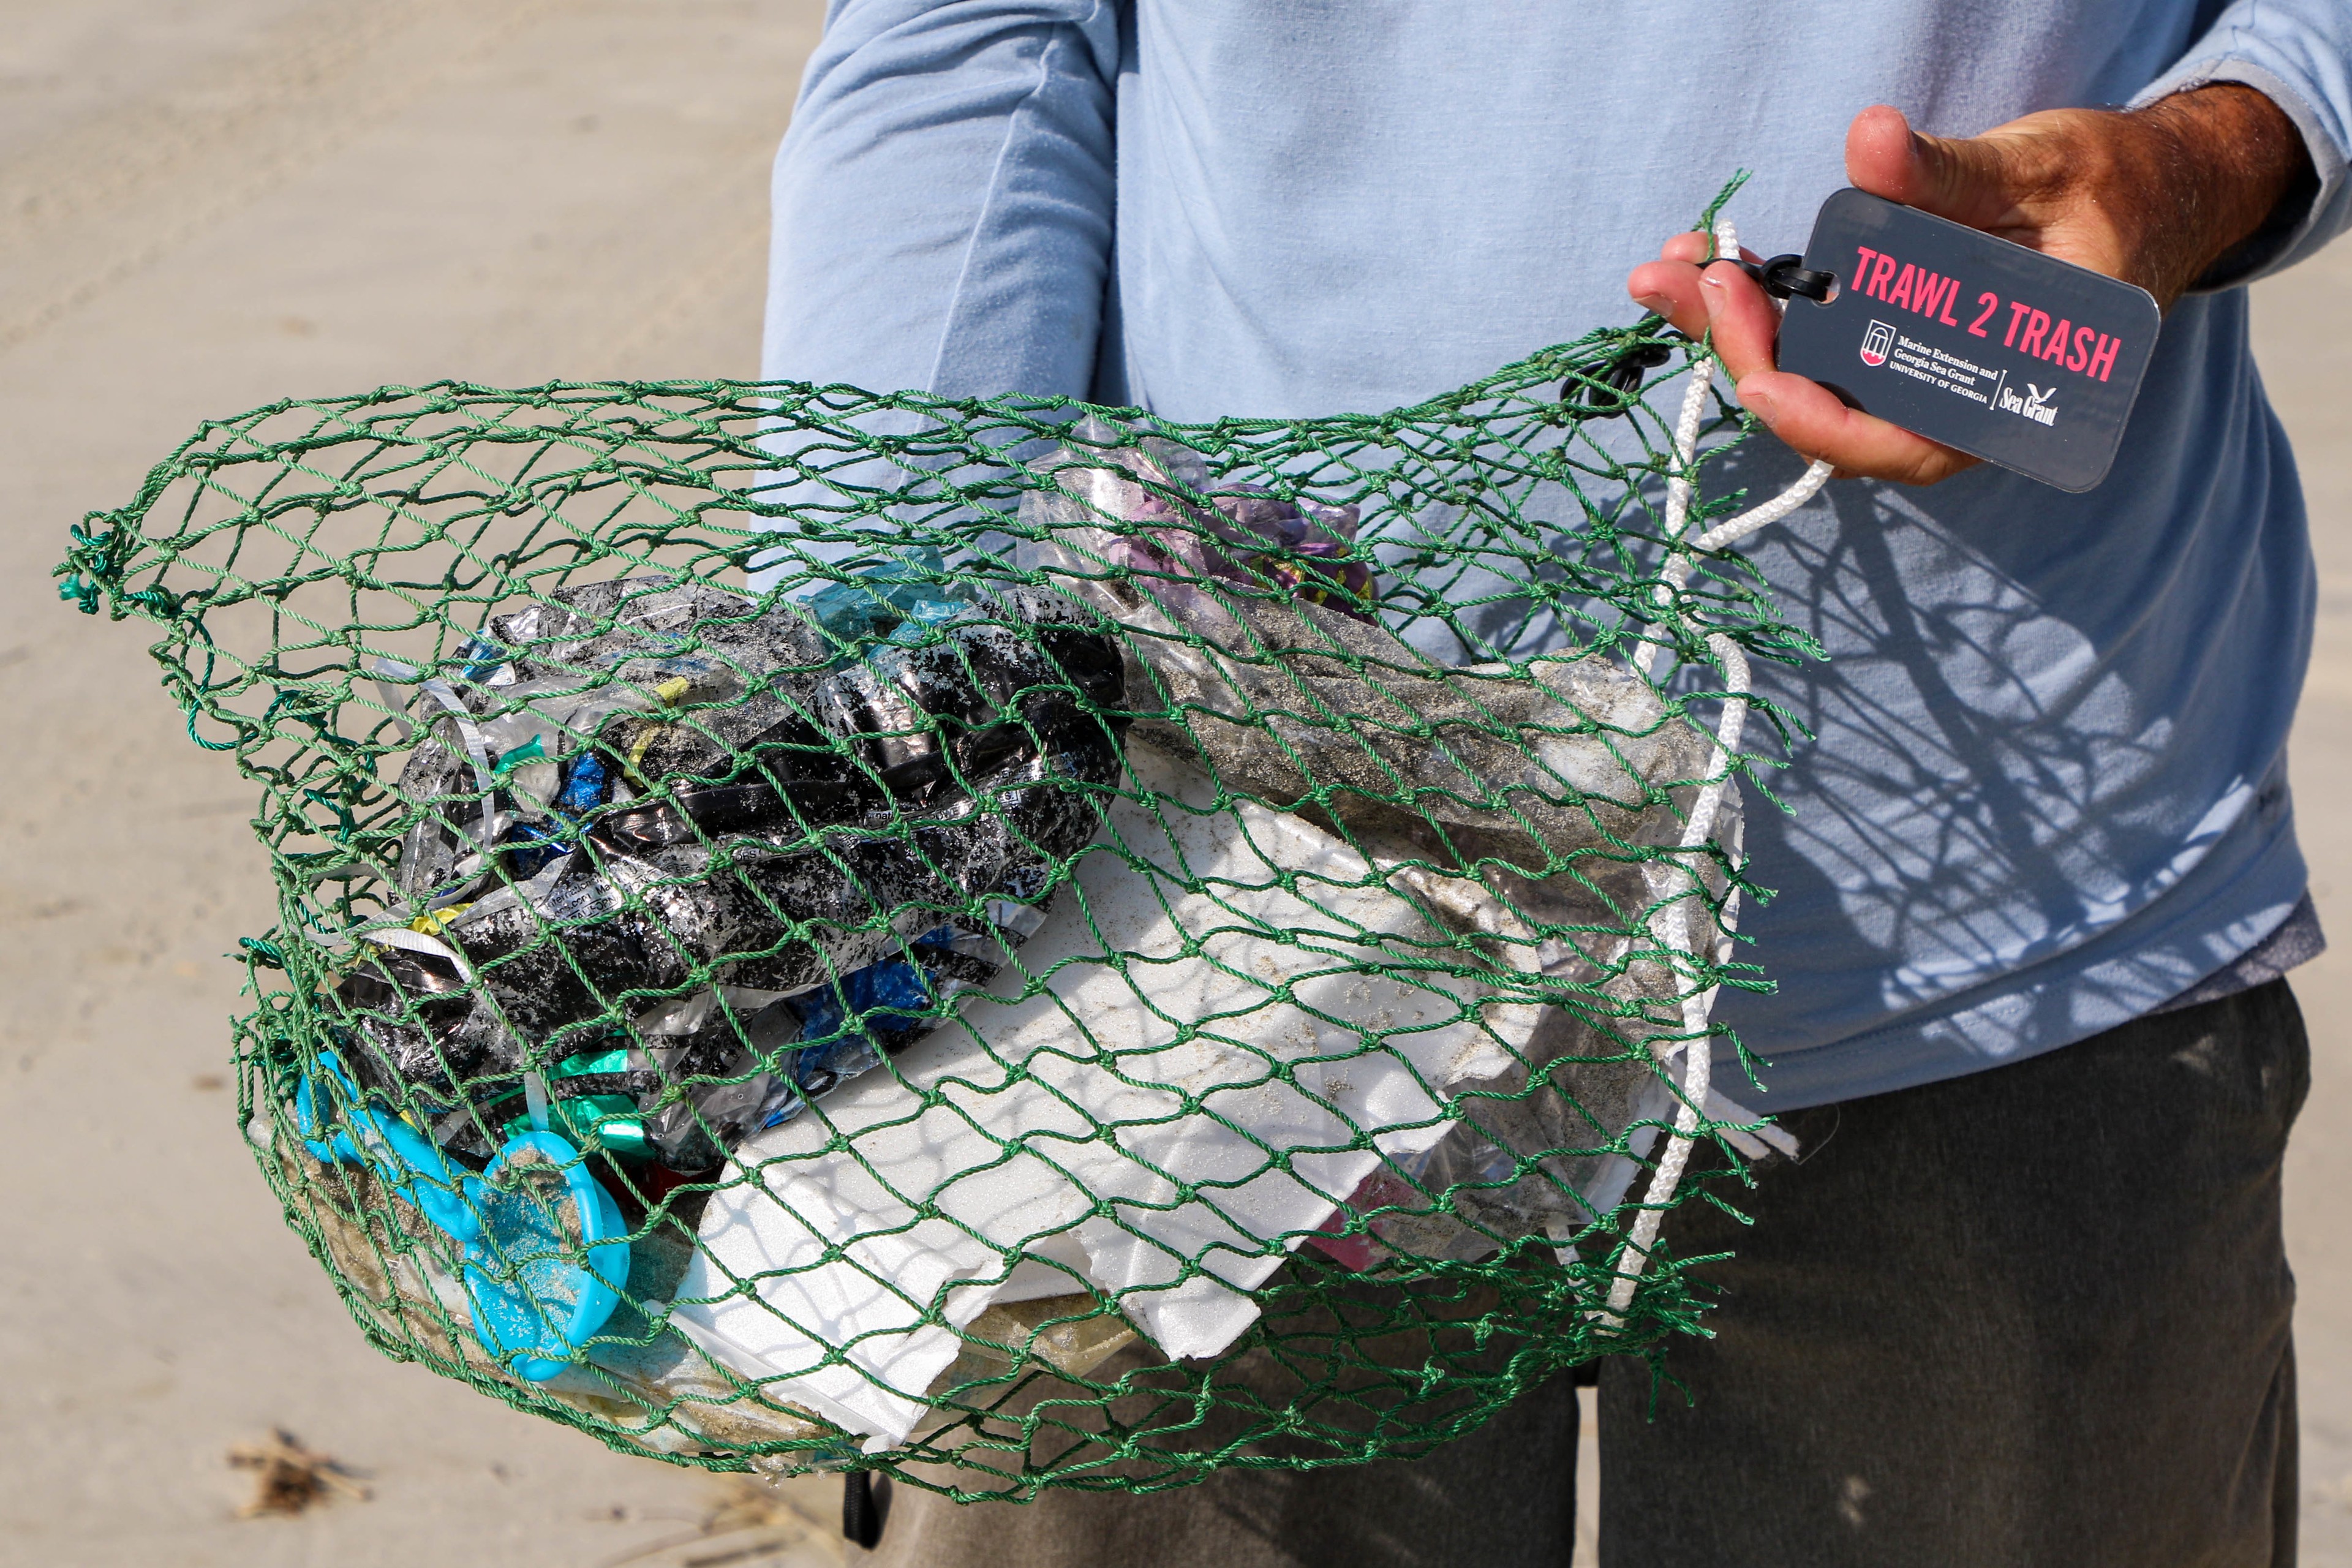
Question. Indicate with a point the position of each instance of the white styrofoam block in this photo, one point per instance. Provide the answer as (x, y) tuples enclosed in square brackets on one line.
[(1206, 963)]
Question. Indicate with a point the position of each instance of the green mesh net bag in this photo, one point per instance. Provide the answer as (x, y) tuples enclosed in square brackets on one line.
[(1009, 944)]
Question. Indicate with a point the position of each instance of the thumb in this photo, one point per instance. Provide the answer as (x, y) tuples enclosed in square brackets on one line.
[(1966, 181)]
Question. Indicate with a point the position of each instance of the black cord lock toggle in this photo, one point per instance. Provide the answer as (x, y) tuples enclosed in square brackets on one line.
[(1785, 276), (1622, 375)]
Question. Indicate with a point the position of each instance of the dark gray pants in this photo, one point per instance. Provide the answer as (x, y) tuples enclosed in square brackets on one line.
[(2034, 1316)]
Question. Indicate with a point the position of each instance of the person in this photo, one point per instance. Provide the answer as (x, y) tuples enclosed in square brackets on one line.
[(2022, 1298)]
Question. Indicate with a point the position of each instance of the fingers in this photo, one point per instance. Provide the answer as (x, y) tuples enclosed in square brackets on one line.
[(1696, 247), (1740, 315), (1810, 418), (1721, 300), (1882, 155), (1690, 245), (1669, 289), (1970, 181), (1670, 286)]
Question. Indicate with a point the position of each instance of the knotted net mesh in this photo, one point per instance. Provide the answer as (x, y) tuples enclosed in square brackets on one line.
[(1134, 947)]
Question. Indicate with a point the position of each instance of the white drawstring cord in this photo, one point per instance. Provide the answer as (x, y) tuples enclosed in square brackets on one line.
[(1674, 927), (1680, 487), (1674, 924)]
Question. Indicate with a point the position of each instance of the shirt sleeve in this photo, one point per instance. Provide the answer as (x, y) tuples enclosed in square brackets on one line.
[(2298, 53), (943, 200)]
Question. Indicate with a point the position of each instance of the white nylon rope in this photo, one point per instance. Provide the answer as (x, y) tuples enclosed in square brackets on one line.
[(1673, 930)]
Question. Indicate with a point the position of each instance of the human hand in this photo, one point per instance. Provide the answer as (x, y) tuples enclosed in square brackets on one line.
[(2153, 196)]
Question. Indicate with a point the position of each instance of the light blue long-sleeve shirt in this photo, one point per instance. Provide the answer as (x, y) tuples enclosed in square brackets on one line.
[(2048, 788)]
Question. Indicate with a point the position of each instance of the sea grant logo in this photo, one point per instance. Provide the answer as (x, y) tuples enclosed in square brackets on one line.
[(1877, 343), (2036, 406)]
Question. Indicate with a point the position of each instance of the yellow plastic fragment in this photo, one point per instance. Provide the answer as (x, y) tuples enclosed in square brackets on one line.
[(433, 923)]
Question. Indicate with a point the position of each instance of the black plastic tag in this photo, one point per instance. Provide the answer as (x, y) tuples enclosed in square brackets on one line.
[(2004, 352)]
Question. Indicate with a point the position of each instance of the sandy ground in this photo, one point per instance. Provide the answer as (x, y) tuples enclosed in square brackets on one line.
[(204, 206)]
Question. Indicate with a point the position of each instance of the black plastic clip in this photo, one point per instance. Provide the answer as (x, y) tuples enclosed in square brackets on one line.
[(1622, 376), (864, 1508), (1785, 276)]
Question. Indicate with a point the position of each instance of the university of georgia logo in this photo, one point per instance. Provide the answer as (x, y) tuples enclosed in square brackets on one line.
[(1877, 343)]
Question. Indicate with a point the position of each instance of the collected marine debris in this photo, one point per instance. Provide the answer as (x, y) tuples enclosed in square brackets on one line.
[(684, 866), (1072, 983), (710, 866), (714, 862)]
